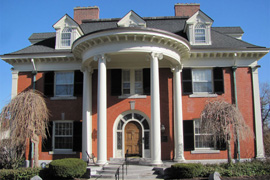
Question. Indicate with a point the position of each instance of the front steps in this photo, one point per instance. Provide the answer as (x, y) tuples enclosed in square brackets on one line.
[(136, 169)]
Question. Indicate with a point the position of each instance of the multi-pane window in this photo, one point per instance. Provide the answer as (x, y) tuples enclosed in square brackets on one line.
[(200, 33), (202, 141), (66, 37), (202, 80), (63, 135), (64, 83), (138, 82), (132, 81), (126, 81)]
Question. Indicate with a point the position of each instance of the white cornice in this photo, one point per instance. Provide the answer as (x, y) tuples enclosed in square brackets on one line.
[(153, 38), (250, 53)]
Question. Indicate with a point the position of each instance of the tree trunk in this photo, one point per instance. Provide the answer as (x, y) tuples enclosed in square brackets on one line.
[(229, 150), (35, 140)]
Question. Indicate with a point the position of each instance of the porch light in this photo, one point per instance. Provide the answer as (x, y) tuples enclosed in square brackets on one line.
[(162, 128)]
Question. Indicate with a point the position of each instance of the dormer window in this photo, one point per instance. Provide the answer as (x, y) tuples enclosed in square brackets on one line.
[(66, 37), (198, 29), (67, 31), (200, 33)]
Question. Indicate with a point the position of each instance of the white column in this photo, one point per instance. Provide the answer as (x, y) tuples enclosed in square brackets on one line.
[(155, 110), (101, 110), (257, 114), (14, 86), (178, 116), (87, 113)]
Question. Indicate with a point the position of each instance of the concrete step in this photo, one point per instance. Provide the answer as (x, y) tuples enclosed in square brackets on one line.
[(133, 172)]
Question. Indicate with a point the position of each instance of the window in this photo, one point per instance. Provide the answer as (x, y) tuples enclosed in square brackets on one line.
[(66, 37), (200, 33), (202, 80), (64, 83), (63, 135), (202, 141), (132, 82), (129, 82)]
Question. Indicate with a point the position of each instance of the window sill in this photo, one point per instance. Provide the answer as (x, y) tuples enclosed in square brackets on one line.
[(205, 151), (203, 95), (134, 96), (63, 98), (62, 152)]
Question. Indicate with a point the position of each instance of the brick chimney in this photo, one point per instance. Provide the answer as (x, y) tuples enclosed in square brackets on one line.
[(182, 9), (81, 13)]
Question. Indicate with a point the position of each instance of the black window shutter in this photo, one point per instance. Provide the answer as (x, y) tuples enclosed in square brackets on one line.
[(218, 80), (146, 81), (77, 136), (49, 84), (188, 135), (47, 143), (78, 83), (187, 81), (116, 82), (221, 144)]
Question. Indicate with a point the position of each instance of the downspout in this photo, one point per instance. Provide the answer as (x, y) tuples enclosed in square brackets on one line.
[(234, 68), (34, 73)]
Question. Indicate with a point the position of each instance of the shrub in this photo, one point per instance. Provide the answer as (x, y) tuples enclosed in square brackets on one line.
[(68, 168), (18, 174), (186, 170)]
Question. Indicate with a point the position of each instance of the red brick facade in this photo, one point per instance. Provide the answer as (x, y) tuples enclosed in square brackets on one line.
[(192, 108)]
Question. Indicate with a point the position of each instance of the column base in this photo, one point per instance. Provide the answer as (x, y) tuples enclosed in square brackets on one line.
[(101, 162), (156, 163), (180, 160)]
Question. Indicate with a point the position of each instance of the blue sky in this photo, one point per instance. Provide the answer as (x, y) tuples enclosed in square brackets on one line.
[(20, 18)]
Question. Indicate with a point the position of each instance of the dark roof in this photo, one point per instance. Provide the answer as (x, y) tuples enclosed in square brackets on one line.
[(229, 30), (219, 35), (35, 37)]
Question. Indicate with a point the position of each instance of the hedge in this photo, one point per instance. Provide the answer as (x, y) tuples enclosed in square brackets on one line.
[(68, 168), (18, 174)]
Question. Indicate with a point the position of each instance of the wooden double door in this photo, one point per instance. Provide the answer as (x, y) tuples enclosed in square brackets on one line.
[(133, 139)]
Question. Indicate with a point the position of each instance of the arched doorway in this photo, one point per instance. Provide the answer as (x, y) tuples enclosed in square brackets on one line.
[(132, 133), (133, 139)]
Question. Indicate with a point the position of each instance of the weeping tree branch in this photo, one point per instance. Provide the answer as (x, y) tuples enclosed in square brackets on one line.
[(224, 121), (26, 116)]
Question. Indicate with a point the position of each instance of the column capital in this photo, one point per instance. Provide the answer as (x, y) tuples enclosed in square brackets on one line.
[(101, 57), (156, 55), (175, 68), (86, 69)]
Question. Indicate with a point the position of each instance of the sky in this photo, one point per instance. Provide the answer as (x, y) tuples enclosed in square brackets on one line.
[(20, 18)]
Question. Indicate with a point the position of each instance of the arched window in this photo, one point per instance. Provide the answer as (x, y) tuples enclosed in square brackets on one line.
[(200, 33), (66, 37)]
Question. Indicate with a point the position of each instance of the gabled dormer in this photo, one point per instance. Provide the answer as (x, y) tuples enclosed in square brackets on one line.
[(67, 31), (198, 29), (131, 19)]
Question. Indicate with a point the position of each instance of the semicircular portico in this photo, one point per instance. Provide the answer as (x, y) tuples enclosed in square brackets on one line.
[(131, 41)]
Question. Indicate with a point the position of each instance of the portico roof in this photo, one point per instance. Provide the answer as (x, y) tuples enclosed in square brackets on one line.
[(131, 39)]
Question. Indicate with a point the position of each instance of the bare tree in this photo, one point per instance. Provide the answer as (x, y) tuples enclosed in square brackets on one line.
[(265, 104), (223, 120), (25, 117), (265, 110)]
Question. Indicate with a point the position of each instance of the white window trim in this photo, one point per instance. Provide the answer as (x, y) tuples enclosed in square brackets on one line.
[(61, 151), (202, 150), (59, 97), (132, 85), (59, 38), (207, 35), (203, 94)]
